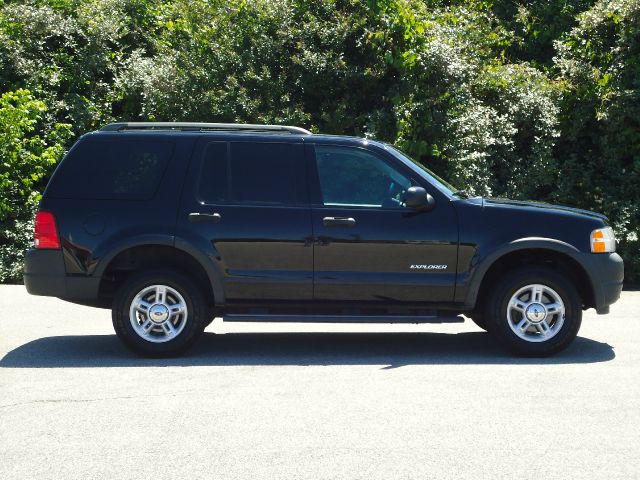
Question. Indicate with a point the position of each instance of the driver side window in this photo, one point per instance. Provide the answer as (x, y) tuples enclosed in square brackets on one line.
[(353, 177)]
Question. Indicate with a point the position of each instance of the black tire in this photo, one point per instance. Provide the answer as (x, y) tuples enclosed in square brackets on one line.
[(497, 307), (480, 321), (210, 318), (194, 321)]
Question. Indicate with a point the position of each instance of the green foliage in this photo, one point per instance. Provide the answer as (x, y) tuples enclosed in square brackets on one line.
[(599, 153), (521, 99), (486, 124), (28, 159), (536, 26)]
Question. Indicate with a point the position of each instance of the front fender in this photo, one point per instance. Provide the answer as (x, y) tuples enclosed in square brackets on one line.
[(467, 293)]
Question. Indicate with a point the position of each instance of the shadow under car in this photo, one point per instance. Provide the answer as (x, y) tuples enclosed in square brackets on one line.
[(391, 350)]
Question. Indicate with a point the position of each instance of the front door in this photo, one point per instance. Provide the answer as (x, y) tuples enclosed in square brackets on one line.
[(369, 247), (249, 209)]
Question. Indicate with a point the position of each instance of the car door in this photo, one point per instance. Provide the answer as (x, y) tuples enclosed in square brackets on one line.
[(248, 207), (370, 247)]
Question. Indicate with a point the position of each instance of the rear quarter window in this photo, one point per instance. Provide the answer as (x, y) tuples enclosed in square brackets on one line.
[(122, 169)]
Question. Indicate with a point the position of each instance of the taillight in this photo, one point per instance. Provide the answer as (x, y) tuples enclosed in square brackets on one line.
[(46, 233)]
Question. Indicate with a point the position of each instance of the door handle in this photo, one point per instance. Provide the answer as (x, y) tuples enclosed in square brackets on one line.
[(196, 217), (339, 222)]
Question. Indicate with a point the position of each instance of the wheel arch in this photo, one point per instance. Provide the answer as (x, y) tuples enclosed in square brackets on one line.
[(134, 257), (531, 251)]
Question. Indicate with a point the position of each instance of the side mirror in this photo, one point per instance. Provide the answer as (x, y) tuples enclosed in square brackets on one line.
[(418, 199)]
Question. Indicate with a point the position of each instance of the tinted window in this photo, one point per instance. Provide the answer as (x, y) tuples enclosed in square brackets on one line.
[(251, 172), (214, 176), (355, 177), (124, 169)]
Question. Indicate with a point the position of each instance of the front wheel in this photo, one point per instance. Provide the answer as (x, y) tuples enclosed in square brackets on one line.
[(480, 321), (534, 311), (159, 313)]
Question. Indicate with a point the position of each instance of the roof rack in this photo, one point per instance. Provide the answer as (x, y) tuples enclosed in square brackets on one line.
[(200, 127)]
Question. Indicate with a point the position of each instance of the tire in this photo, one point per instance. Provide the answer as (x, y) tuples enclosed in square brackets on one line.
[(480, 321), (169, 307), (211, 316), (534, 311)]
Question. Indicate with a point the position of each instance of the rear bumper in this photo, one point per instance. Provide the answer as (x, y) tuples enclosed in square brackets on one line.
[(606, 273), (44, 274)]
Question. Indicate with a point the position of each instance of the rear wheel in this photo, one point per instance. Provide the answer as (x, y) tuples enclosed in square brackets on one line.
[(534, 311), (159, 313)]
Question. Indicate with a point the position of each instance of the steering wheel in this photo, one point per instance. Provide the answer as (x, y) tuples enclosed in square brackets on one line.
[(390, 199)]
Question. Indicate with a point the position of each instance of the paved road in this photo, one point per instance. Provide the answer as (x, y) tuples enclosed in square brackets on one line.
[(367, 402)]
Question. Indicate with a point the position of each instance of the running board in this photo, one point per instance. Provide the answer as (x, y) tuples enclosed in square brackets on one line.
[(237, 317)]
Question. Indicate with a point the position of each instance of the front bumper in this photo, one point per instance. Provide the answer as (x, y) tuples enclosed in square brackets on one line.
[(44, 274), (606, 273)]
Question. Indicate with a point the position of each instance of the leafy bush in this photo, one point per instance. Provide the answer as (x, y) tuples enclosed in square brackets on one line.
[(599, 155), (28, 159), (531, 100), (488, 125)]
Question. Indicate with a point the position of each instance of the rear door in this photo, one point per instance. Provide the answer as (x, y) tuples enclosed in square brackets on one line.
[(246, 204), (370, 248)]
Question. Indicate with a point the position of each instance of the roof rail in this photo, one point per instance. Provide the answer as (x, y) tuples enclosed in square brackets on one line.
[(200, 127)]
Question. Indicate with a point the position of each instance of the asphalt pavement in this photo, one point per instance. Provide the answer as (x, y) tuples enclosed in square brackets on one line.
[(284, 401)]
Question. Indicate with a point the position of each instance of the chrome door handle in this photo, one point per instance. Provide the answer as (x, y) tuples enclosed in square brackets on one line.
[(196, 217), (339, 222)]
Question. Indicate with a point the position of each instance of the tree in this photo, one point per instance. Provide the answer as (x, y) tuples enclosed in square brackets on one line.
[(28, 156), (599, 155)]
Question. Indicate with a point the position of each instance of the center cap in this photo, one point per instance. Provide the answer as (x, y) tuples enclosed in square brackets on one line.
[(536, 312), (158, 313)]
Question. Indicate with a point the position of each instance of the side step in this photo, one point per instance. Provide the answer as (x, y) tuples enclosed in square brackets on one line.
[(237, 317)]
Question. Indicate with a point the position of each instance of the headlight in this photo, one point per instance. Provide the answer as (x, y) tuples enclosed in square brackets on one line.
[(603, 240)]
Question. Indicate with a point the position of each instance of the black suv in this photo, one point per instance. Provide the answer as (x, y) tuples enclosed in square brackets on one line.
[(173, 224)]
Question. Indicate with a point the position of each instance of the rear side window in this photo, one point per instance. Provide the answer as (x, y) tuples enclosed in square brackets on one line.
[(127, 169), (253, 173)]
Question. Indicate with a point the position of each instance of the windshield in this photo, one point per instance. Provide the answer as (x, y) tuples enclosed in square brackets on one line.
[(442, 185)]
